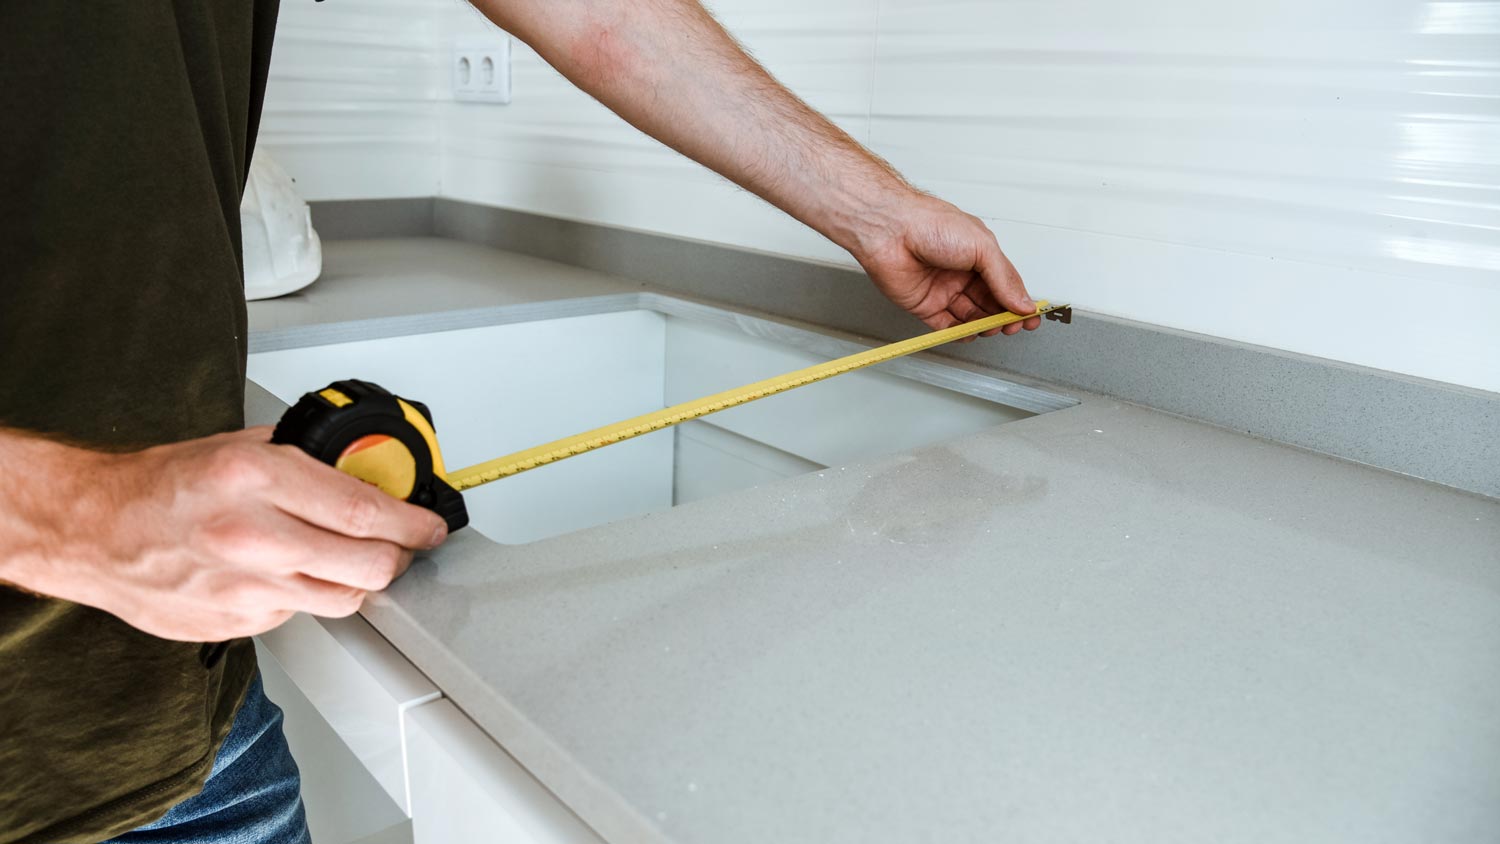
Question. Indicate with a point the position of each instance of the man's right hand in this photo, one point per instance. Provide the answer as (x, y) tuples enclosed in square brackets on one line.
[(209, 539)]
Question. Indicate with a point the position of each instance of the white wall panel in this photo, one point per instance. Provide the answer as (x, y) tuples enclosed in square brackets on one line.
[(1206, 165), (351, 105), (556, 151)]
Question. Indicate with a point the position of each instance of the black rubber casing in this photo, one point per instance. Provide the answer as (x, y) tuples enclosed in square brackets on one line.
[(323, 430)]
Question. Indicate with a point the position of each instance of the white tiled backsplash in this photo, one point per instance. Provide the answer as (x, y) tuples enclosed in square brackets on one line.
[(1289, 174)]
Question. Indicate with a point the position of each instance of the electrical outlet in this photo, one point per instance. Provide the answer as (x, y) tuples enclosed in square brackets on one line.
[(481, 69)]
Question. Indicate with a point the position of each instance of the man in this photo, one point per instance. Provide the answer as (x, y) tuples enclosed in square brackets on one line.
[(140, 528)]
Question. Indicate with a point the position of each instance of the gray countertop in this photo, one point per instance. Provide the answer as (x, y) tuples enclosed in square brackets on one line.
[(1102, 623)]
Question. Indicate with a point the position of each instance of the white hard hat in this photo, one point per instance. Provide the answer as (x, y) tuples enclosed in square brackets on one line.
[(282, 252)]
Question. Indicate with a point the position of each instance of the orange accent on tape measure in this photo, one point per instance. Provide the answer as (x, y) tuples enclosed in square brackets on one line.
[(381, 460)]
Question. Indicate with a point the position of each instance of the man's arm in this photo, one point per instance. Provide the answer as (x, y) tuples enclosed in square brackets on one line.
[(205, 540), (672, 71)]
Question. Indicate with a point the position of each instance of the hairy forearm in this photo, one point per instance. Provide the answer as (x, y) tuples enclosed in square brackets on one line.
[(668, 68), (201, 540), (45, 491)]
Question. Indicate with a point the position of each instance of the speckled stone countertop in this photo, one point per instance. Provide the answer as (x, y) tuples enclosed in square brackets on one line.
[(1102, 623)]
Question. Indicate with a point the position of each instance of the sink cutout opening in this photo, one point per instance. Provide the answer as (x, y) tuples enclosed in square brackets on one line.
[(708, 460), (496, 389)]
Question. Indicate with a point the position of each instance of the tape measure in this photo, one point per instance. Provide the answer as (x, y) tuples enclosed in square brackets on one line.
[(383, 439), (359, 428)]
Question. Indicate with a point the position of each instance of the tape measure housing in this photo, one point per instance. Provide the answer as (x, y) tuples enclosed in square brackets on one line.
[(377, 437)]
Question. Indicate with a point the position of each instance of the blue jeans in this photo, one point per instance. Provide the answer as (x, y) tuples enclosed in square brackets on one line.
[(253, 795)]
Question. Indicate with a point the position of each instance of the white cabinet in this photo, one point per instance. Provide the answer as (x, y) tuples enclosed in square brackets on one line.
[(465, 788), (345, 804), (358, 684), (386, 760)]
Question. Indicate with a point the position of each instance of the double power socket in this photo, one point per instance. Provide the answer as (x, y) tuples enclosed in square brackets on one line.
[(481, 68)]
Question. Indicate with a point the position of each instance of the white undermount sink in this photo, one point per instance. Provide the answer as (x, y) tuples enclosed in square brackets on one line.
[(498, 388)]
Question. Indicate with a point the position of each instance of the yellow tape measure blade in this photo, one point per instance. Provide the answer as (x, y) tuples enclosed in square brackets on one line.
[(541, 455)]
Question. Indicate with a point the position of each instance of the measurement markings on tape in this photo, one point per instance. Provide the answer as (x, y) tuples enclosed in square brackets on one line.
[(541, 455), (390, 442)]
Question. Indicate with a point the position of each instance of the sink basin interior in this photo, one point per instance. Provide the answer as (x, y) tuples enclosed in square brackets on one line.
[(495, 389)]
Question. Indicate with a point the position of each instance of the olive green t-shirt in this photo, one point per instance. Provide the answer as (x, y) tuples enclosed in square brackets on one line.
[(127, 131)]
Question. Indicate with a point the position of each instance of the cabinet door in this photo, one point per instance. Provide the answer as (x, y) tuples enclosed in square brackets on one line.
[(345, 805), (358, 684), (466, 788)]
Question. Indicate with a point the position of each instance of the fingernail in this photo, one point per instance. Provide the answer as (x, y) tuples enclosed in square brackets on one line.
[(1027, 305), (438, 535)]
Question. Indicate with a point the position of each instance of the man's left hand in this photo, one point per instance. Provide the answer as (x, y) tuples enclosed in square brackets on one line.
[(943, 265)]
